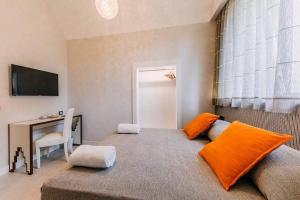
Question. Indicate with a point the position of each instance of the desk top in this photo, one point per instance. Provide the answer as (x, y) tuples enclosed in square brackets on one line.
[(36, 122)]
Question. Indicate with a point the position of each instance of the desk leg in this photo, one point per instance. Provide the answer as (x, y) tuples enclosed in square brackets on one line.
[(81, 129), (77, 130), (31, 151), (20, 144)]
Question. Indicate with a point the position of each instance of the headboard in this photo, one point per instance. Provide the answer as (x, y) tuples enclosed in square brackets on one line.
[(277, 122)]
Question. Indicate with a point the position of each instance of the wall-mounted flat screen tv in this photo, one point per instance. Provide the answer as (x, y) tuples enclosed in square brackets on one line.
[(32, 82)]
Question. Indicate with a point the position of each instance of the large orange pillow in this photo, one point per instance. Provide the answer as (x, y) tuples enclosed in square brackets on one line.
[(238, 149), (200, 124)]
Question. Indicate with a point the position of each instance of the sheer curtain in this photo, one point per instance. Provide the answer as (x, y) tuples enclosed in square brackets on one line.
[(258, 57)]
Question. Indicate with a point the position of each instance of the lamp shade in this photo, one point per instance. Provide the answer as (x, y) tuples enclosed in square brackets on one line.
[(108, 9)]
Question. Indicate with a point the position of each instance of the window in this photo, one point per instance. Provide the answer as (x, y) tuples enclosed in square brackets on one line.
[(258, 57)]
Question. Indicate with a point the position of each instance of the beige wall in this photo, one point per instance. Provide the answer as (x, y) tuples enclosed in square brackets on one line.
[(100, 73), (28, 37), (217, 7)]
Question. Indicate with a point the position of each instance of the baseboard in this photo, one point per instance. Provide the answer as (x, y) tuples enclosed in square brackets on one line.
[(4, 170)]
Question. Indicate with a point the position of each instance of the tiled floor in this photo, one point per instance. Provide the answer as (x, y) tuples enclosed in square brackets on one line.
[(19, 186)]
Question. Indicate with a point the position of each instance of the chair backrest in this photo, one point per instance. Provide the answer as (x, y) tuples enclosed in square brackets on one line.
[(67, 132)]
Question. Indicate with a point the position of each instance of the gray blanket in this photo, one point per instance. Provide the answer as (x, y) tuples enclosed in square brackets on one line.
[(155, 164)]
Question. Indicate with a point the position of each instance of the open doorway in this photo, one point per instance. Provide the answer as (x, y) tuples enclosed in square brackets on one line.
[(156, 97)]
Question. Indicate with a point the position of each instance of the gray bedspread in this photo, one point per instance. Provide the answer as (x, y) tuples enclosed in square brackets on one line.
[(155, 164)]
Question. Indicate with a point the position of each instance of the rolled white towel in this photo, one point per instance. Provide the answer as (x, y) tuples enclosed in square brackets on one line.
[(93, 156), (128, 128)]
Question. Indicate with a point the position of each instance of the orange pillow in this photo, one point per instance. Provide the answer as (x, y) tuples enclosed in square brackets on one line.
[(199, 125), (238, 149)]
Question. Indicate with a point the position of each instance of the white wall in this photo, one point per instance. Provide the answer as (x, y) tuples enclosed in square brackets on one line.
[(79, 19), (29, 37), (157, 100), (100, 73)]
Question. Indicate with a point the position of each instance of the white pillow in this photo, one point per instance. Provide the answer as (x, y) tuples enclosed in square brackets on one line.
[(217, 129), (93, 156), (128, 128)]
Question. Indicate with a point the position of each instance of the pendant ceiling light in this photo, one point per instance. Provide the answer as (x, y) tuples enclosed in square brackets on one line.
[(108, 9)]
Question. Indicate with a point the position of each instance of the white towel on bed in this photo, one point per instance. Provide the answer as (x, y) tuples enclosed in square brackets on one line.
[(128, 128), (93, 156)]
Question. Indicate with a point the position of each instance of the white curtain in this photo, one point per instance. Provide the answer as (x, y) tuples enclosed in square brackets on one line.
[(259, 55)]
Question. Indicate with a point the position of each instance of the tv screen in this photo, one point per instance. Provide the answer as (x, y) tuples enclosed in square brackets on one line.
[(32, 82)]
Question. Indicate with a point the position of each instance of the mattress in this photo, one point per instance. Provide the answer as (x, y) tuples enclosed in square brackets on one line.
[(155, 164)]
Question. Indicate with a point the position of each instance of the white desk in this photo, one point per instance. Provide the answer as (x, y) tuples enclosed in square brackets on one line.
[(20, 139)]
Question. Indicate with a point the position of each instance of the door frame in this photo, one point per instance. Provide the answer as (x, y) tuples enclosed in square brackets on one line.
[(171, 64)]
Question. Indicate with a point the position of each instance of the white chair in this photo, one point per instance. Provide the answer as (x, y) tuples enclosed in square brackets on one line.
[(56, 138)]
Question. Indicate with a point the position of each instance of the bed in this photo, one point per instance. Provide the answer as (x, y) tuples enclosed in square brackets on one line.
[(155, 164)]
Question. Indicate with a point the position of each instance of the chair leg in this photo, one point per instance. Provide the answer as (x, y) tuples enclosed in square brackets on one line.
[(70, 144), (38, 156), (66, 150)]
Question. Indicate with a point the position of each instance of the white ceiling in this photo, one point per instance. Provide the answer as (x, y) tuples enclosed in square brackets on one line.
[(79, 18)]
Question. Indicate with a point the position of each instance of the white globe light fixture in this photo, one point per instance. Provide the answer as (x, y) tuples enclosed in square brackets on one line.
[(108, 9)]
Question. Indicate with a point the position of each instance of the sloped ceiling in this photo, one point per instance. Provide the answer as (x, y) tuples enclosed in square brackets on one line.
[(79, 18)]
